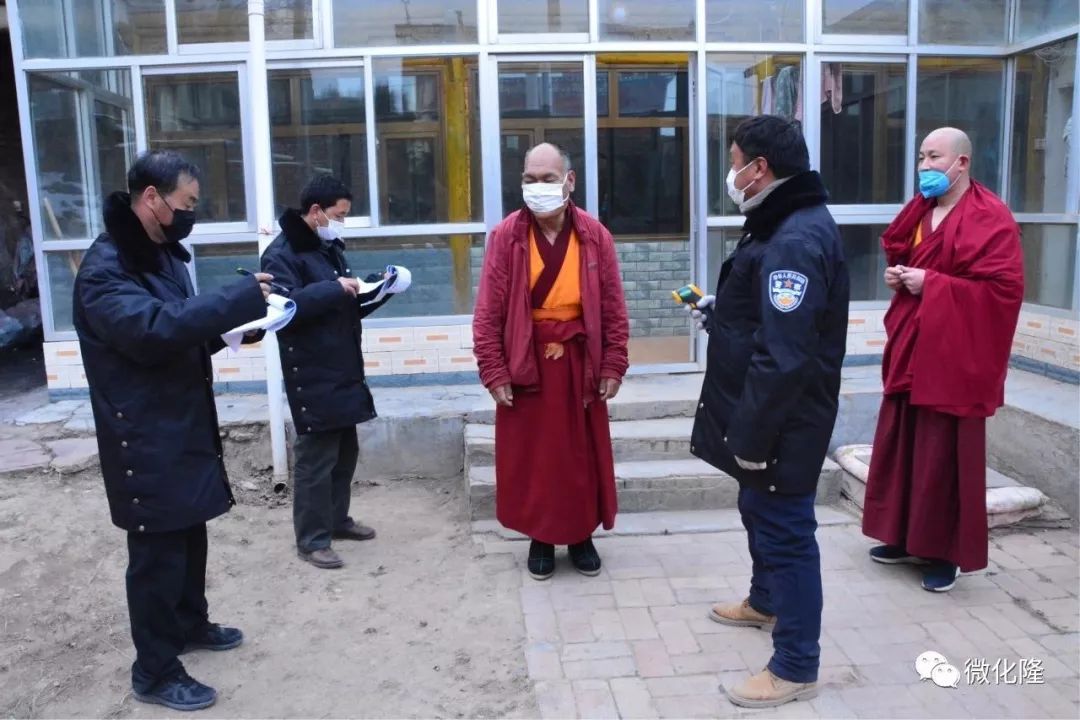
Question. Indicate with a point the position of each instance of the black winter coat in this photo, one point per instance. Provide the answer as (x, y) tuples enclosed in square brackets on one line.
[(321, 356), (146, 341), (777, 339)]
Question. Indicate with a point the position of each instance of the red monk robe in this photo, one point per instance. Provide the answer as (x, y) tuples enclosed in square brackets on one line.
[(944, 371), (551, 320)]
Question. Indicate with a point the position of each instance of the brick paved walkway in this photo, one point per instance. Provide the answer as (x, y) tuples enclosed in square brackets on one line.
[(635, 641)]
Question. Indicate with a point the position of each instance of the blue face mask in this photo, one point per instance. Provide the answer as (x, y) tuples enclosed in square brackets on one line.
[(934, 183)]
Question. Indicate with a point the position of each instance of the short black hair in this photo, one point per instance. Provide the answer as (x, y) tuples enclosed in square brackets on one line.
[(324, 191), (161, 169), (777, 140)]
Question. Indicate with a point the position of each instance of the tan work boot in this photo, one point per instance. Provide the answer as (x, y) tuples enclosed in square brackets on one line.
[(741, 615), (765, 690)]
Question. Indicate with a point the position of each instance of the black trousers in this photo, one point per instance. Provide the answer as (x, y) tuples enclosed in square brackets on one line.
[(166, 591), (322, 485)]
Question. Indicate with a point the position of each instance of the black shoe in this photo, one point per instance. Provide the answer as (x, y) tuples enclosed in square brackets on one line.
[(180, 692), (215, 637), (541, 560), (585, 558)]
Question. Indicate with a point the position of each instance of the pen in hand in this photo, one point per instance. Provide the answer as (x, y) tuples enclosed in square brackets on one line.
[(273, 285)]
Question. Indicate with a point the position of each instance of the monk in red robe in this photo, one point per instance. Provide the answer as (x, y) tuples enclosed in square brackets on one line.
[(550, 334), (956, 266)]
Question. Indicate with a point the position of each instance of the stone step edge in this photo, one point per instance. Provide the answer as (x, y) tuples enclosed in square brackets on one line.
[(690, 468)]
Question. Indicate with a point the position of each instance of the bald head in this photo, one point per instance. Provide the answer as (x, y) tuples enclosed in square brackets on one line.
[(955, 139), (948, 149), (548, 164), (547, 155)]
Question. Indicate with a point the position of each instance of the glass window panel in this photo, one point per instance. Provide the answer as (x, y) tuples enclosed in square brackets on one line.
[(865, 261), (864, 17), (1049, 264), (538, 103), (1038, 17), (863, 117), (646, 19), (198, 116), (62, 267), (965, 93), (84, 142), (643, 171), (740, 87), (212, 21), (742, 21), (215, 265), (445, 271), (428, 131), (721, 243), (550, 16), (403, 22), (972, 22), (92, 28), (1040, 146), (318, 125)]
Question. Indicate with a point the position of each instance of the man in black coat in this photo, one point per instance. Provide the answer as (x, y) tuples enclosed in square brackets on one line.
[(323, 365), (146, 340), (777, 336)]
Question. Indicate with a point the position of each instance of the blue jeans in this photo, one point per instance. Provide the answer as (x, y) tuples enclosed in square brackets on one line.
[(786, 579)]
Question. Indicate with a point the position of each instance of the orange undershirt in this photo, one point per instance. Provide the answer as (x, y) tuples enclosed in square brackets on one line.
[(563, 303)]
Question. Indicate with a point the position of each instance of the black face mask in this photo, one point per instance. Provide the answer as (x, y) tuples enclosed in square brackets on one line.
[(180, 227)]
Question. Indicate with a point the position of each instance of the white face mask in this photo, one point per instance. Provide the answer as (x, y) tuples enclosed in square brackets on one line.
[(737, 196), (543, 198), (331, 232)]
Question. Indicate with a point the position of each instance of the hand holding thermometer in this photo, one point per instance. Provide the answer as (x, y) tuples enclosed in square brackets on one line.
[(280, 290)]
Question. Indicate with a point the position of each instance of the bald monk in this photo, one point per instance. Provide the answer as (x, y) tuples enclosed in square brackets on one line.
[(550, 335), (956, 268)]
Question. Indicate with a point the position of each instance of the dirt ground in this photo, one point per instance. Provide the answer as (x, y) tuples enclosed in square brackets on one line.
[(419, 623)]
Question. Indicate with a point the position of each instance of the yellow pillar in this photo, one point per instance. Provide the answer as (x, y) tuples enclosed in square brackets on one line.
[(459, 176)]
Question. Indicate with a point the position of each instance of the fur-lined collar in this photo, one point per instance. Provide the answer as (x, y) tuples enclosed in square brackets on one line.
[(800, 191), (138, 252), (298, 233)]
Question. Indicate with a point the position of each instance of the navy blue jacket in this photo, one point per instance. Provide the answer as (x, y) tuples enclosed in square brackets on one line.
[(321, 356), (146, 341), (777, 338)]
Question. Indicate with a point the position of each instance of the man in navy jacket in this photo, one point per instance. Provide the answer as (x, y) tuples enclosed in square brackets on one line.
[(146, 340), (777, 338)]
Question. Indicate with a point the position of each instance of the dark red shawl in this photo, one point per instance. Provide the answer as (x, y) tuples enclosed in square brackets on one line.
[(950, 346)]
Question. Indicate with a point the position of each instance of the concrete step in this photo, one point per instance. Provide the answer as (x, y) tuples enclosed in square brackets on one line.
[(1008, 502), (631, 440), (655, 485)]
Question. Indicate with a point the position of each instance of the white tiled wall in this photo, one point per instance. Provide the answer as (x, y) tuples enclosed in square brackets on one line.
[(448, 348)]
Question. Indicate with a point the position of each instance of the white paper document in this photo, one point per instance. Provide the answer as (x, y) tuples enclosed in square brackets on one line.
[(279, 312)]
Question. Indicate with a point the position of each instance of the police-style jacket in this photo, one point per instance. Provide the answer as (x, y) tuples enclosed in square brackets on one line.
[(777, 338), (146, 340)]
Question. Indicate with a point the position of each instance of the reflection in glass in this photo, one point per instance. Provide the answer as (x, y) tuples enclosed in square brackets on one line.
[(211, 21), (965, 93), (540, 103), (445, 271), (865, 17), (548, 16), (428, 131), (1040, 145), (863, 115), (972, 22), (62, 267), (643, 174), (740, 87), (1049, 264), (84, 141), (198, 116), (865, 262), (1039, 17), (646, 19), (376, 23), (100, 28), (742, 21), (215, 265), (318, 126)]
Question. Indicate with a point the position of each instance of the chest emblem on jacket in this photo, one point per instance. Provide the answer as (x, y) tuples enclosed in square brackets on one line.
[(786, 289)]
